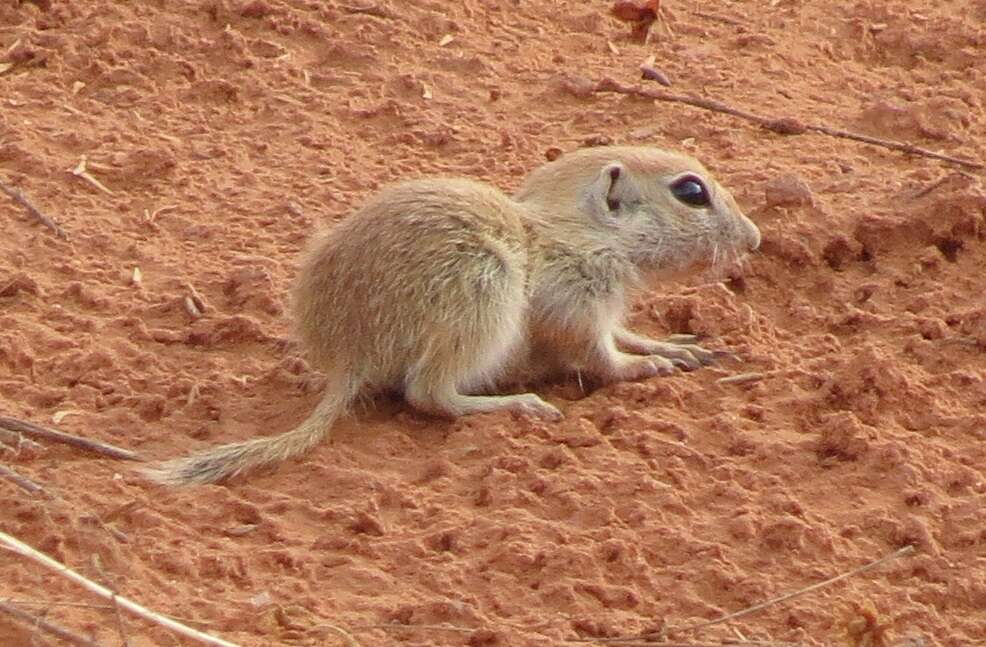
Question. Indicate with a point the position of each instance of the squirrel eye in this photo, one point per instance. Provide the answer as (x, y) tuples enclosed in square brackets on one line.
[(691, 191)]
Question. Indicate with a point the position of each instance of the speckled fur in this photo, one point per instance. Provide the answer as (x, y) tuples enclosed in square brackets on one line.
[(436, 287)]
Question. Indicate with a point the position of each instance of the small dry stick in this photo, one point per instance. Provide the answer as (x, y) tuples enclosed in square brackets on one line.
[(395, 626), (19, 441), (741, 378), (46, 625), (906, 550), (83, 605), (19, 198), (81, 170), (371, 10), (36, 431), (713, 16), (22, 482), (120, 625), (783, 126), (937, 183), (23, 549), (339, 631), (56, 603)]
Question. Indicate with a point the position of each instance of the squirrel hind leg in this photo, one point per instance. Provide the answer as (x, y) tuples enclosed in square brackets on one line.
[(445, 400), (473, 354)]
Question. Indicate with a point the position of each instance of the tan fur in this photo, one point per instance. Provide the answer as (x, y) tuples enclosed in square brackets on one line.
[(438, 286)]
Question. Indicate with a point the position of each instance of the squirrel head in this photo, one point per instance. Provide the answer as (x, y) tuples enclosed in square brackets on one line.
[(663, 210)]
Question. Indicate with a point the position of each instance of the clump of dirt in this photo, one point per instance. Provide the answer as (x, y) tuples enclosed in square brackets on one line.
[(222, 134)]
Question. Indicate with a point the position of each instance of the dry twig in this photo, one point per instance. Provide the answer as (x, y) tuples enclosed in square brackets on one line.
[(55, 603), (370, 10), (920, 193), (120, 624), (81, 170), (712, 16), (23, 549), (46, 625), (19, 198), (339, 631), (662, 635), (397, 626), (782, 126), (82, 605), (741, 378), (18, 441), (37, 431), (22, 482)]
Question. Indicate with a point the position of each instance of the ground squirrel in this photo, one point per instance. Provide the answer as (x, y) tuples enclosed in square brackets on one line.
[(436, 286)]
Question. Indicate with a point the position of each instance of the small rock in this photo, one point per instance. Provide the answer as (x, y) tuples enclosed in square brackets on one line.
[(596, 139), (483, 637), (20, 283), (579, 87), (262, 599), (256, 9), (841, 437), (788, 191), (839, 251), (367, 524), (584, 434)]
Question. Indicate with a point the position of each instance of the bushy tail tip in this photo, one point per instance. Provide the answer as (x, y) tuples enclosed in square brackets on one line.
[(227, 461)]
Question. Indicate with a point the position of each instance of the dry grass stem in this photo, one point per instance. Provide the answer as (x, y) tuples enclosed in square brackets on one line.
[(670, 631), (741, 378), (22, 482), (35, 213), (46, 626), (80, 170), (37, 431), (782, 126), (24, 550)]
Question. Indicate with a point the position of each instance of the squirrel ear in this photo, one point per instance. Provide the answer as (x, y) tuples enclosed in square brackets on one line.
[(603, 198), (615, 172)]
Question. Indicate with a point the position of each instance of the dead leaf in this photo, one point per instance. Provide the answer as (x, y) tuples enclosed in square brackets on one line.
[(58, 416), (629, 11), (641, 14), (864, 628)]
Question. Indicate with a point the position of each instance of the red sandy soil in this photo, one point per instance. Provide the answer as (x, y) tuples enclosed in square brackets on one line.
[(227, 132)]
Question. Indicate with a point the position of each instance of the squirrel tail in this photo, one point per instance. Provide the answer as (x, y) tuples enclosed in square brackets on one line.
[(227, 461)]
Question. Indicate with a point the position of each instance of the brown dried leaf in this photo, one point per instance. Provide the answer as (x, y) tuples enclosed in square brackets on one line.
[(629, 11), (864, 628)]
